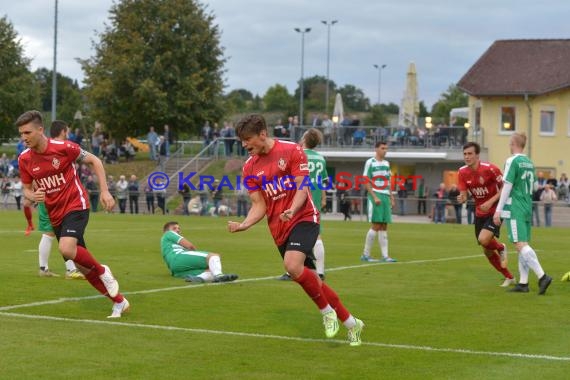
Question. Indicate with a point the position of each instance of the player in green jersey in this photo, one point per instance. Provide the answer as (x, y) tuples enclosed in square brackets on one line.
[(183, 260), (515, 208), (380, 202)]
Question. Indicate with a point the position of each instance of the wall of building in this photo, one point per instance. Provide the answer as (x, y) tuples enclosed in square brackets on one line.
[(548, 151)]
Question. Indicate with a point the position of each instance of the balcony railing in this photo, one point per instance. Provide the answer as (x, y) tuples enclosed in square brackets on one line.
[(365, 137)]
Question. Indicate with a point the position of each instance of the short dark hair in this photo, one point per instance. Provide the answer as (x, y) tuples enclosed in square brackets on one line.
[(252, 124), (474, 145), (57, 126), (168, 225), (32, 116), (312, 138), (381, 142)]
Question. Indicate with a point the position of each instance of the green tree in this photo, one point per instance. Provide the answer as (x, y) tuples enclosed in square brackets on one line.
[(68, 99), (376, 117), (277, 98), (18, 89), (157, 62), (390, 108), (314, 93), (354, 99), (452, 98), (239, 101)]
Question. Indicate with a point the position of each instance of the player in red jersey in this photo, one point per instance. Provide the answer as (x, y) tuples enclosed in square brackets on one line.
[(49, 175), (277, 178), (483, 181)]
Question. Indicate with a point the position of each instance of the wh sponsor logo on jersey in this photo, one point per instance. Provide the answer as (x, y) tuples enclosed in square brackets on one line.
[(51, 182), (479, 191)]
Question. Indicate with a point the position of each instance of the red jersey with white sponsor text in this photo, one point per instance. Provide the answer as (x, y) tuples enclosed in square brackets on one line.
[(482, 183), (55, 171), (273, 174)]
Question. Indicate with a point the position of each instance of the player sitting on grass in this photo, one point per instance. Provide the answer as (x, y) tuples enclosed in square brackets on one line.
[(183, 260)]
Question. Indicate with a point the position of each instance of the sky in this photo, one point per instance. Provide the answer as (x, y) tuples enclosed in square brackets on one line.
[(443, 38)]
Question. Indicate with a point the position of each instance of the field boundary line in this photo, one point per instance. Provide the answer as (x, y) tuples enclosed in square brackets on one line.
[(255, 279), (290, 338)]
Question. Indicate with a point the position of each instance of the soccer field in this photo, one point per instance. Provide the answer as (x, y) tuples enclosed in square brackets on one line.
[(436, 314)]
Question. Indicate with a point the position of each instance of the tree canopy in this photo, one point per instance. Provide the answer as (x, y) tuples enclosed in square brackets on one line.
[(158, 62), (18, 90), (68, 99), (452, 98)]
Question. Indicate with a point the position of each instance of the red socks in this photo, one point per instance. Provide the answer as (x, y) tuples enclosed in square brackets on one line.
[(494, 245), (85, 259), (495, 261), (334, 301), (321, 295), (96, 282), (28, 214), (310, 284)]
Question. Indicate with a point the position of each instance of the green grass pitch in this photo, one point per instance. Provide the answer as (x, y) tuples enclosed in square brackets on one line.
[(436, 314)]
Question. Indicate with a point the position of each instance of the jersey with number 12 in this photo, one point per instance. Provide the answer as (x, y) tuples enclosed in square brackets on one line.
[(519, 171)]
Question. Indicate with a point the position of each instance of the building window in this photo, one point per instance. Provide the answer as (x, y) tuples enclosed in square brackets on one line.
[(547, 122), (508, 121)]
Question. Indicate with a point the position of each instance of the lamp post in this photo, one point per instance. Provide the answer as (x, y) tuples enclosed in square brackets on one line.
[(380, 68), (328, 24), (54, 74), (302, 31)]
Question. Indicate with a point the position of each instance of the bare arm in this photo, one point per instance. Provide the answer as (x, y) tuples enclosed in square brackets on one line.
[(370, 191), (187, 244), (107, 199), (255, 214), (29, 193)]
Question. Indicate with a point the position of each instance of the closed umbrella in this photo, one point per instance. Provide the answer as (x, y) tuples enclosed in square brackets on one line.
[(410, 107), (338, 111)]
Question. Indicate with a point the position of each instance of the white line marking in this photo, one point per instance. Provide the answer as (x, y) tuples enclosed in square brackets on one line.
[(149, 291), (290, 338)]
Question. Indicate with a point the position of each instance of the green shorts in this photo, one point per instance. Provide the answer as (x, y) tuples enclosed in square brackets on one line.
[(188, 263), (45, 224), (519, 229), (381, 213)]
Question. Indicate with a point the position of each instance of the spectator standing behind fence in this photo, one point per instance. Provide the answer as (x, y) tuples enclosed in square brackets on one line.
[(17, 191), (458, 207), (440, 202), (149, 197), (242, 197), (186, 196), (470, 207), (207, 134), (122, 193), (421, 193), (229, 135), (152, 141), (327, 126), (5, 187), (217, 196), (96, 140), (402, 195), (133, 188), (563, 187), (160, 193), (93, 191), (535, 221), (548, 197), (162, 153)]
